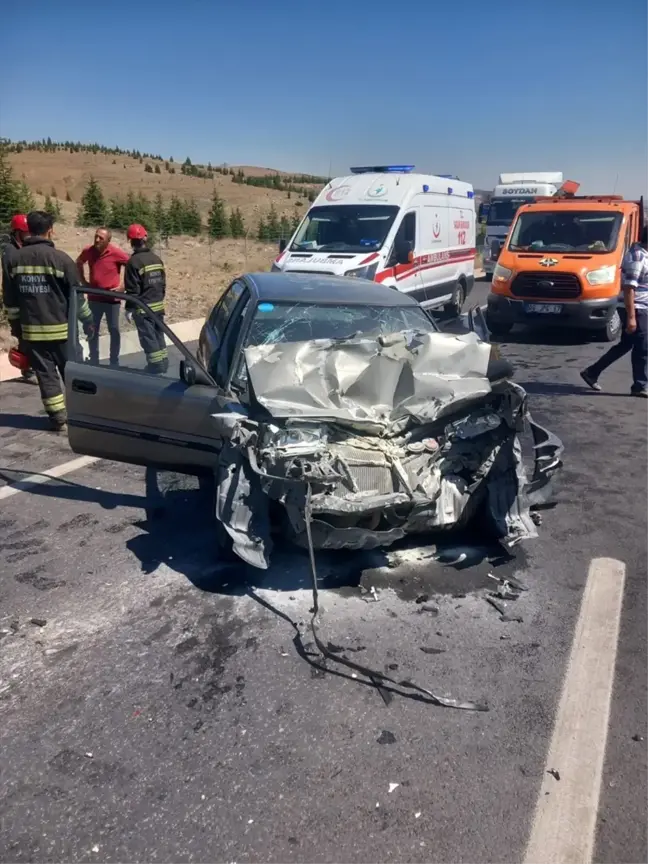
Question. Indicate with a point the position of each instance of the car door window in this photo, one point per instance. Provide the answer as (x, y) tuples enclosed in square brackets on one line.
[(406, 234), (219, 320)]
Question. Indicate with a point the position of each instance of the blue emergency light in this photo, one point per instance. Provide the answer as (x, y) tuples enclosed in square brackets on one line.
[(383, 169)]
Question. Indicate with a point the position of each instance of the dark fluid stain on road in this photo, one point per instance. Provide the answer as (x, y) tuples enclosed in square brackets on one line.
[(96, 772), (83, 520), (37, 580), (418, 580)]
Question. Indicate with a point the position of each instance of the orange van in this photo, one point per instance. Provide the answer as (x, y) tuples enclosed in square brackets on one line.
[(560, 265)]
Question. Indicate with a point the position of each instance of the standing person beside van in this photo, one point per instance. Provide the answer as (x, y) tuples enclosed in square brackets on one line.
[(634, 338), (104, 263)]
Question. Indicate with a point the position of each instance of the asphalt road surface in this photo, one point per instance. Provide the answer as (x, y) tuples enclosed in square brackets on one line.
[(163, 707)]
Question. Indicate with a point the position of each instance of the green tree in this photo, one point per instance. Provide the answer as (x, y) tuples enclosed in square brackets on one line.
[(8, 191), (175, 216), (217, 223), (191, 221), (148, 168), (262, 230), (272, 223), (25, 198), (285, 229), (157, 169), (53, 208), (159, 214), (237, 225), (117, 214), (93, 210)]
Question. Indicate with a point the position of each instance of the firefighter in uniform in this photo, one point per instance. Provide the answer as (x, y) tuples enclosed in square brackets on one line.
[(18, 234), (145, 277), (41, 280)]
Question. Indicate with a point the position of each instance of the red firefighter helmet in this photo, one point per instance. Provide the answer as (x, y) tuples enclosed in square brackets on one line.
[(136, 232), (18, 360), (19, 223)]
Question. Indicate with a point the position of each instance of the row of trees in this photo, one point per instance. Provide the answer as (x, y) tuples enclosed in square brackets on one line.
[(175, 217), (46, 145)]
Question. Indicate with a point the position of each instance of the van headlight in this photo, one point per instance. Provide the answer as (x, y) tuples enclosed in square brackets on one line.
[(602, 276), (366, 272), (295, 439), (503, 274)]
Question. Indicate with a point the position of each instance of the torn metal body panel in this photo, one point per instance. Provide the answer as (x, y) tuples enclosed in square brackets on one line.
[(397, 435)]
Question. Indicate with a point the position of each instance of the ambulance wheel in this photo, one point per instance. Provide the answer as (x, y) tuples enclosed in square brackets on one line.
[(612, 329), (455, 306)]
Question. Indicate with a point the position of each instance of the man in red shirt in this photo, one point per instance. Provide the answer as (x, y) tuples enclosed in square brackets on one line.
[(105, 262)]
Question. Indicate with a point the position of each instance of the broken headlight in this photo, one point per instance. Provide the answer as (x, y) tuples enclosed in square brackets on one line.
[(295, 439)]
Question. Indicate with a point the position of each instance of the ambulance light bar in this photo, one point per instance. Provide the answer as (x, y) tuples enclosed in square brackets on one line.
[(383, 169)]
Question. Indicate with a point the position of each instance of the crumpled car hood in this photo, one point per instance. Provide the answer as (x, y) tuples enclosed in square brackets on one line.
[(378, 384)]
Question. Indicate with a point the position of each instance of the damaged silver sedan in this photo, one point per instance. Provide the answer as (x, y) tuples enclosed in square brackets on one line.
[(333, 413)]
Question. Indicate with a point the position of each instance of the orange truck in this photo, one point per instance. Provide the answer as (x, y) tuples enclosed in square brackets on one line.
[(560, 265)]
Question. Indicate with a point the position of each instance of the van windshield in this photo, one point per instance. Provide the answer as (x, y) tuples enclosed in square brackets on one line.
[(345, 228), (502, 210), (589, 231)]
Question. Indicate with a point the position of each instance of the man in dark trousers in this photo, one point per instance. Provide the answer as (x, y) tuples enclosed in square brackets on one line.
[(634, 339), (41, 281), (145, 277), (18, 234), (104, 262)]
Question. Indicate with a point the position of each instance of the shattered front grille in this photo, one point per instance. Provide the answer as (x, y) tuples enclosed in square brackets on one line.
[(369, 469)]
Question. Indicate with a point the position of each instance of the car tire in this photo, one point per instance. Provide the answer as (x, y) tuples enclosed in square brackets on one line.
[(612, 329), (455, 306)]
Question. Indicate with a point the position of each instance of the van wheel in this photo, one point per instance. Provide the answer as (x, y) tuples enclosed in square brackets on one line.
[(455, 306), (612, 329)]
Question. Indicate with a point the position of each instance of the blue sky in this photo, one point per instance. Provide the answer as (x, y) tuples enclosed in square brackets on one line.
[(461, 87)]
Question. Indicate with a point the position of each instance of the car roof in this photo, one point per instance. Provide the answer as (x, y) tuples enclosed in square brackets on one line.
[(321, 288)]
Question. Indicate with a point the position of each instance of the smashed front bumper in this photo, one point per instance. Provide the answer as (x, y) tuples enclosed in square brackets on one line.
[(368, 491)]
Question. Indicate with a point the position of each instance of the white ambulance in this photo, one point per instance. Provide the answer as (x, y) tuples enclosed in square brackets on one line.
[(413, 232)]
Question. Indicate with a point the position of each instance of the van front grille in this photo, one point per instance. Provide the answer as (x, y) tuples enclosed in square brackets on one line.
[(546, 286)]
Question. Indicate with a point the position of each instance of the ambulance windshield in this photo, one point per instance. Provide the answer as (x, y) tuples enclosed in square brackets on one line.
[(345, 228)]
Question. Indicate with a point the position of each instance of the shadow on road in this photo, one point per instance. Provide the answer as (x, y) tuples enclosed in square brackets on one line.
[(68, 490), (23, 422), (539, 336)]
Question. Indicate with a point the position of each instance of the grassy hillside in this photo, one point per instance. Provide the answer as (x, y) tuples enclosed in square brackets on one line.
[(68, 173)]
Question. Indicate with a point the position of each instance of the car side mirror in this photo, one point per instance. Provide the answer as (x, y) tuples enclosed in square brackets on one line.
[(282, 244), (187, 373)]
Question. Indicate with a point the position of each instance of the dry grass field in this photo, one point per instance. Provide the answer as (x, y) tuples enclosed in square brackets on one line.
[(117, 175)]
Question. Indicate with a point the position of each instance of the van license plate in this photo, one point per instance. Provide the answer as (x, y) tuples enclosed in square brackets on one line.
[(544, 308)]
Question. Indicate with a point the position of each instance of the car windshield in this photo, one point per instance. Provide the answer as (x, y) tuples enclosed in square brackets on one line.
[(588, 231), (345, 228), (299, 322), (502, 210)]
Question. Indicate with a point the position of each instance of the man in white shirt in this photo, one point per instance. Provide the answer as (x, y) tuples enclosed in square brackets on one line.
[(635, 333)]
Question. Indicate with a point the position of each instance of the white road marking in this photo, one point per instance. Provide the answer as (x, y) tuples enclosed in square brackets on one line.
[(28, 482), (564, 824)]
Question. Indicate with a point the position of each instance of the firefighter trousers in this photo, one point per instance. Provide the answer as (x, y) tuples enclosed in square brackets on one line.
[(48, 361), (151, 339)]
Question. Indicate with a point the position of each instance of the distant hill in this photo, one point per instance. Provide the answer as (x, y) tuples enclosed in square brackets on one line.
[(63, 173)]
